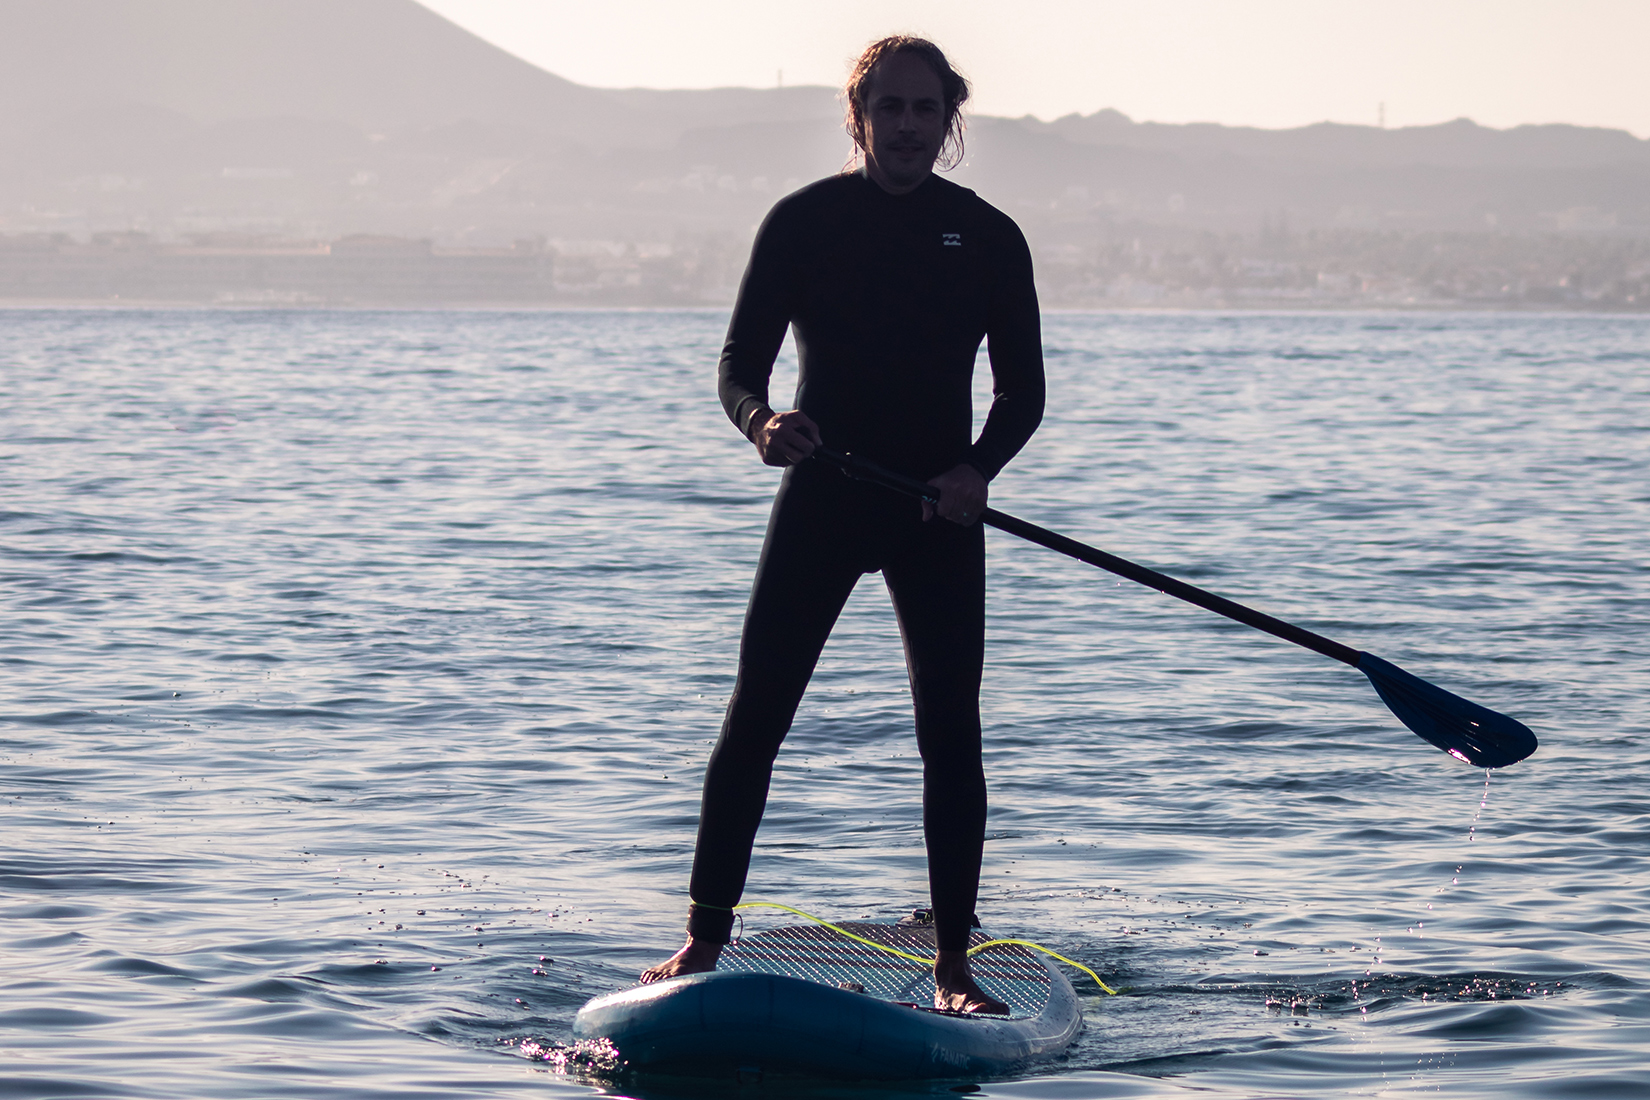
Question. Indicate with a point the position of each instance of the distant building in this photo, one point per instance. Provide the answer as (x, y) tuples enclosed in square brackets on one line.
[(353, 271)]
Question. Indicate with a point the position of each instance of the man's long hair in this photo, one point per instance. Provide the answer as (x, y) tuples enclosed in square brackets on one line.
[(953, 85)]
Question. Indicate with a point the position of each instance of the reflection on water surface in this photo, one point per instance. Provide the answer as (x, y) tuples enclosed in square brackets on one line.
[(359, 669)]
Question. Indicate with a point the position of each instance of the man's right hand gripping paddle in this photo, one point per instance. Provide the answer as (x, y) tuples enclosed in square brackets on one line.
[(783, 439)]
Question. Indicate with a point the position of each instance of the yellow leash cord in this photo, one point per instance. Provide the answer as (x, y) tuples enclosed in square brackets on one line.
[(976, 949), (972, 951)]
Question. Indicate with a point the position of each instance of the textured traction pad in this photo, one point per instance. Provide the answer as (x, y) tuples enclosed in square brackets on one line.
[(1015, 975)]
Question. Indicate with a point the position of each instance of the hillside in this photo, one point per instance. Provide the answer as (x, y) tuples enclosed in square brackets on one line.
[(378, 66), (214, 121)]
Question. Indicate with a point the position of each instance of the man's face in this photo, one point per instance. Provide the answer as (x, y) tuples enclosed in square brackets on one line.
[(904, 122)]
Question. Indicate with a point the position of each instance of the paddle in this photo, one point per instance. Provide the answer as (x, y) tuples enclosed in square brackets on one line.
[(1462, 728)]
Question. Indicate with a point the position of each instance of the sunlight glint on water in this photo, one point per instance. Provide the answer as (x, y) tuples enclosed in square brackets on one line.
[(355, 663)]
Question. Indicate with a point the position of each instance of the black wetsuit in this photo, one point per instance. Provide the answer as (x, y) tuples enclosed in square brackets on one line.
[(889, 297)]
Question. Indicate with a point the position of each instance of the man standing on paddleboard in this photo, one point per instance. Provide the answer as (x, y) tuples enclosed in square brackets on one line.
[(890, 278)]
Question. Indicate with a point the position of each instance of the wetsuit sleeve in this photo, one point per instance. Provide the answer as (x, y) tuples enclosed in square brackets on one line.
[(1015, 344), (761, 314)]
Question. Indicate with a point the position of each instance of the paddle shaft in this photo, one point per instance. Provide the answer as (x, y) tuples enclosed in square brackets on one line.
[(1151, 578), (1191, 593)]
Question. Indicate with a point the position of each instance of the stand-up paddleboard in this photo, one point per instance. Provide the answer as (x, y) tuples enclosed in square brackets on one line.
[(811, 1000)]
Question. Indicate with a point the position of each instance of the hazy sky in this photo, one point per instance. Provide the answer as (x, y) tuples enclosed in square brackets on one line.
[(1267, 63)]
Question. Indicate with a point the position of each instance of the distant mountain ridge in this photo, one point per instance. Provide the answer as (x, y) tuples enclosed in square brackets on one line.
[(384, 66), (320, 118), (389, 66), (1461, 143)]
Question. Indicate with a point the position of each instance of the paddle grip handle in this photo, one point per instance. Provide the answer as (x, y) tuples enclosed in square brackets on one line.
[(866, 470)]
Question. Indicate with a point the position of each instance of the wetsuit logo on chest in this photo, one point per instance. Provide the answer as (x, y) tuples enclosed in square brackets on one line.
[(951, 239)]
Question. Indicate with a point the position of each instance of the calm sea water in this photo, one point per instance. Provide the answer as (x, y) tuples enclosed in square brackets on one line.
[(356, 666)]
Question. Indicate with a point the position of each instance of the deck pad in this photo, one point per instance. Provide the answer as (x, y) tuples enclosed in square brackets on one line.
[(1012, 974), (813, 1000)]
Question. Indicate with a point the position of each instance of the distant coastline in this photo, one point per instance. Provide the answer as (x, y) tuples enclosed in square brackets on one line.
[(169, 150), (1156, 269)]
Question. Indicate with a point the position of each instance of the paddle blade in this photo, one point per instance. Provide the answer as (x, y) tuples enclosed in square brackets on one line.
[(1462, 728)]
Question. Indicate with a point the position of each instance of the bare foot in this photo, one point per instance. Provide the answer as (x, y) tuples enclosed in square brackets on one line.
[(956, 990), (695, 957)]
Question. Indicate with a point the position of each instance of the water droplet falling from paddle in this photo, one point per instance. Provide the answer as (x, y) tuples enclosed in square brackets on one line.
[(1418, 927)]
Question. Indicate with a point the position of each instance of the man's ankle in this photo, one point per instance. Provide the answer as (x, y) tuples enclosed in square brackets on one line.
[(701, 947)]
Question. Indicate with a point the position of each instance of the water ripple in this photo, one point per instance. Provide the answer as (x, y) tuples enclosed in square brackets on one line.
[(360, 670)]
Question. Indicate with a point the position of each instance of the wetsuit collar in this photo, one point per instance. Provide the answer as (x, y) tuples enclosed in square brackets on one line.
[(922, 188)]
